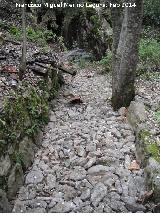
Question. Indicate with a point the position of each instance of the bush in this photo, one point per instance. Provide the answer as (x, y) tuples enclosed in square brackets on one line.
[(152, 11), (157, 116), (14, 31), (39, 36), (23, 114), (149, 52), (149, 56), (34, 35), (106, 61)]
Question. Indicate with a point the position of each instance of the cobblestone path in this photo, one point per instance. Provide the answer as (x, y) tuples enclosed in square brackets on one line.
[(82, 165)]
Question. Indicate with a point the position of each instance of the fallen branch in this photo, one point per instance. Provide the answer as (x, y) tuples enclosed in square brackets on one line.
[(63, 69), (41, 65), (38, 70)]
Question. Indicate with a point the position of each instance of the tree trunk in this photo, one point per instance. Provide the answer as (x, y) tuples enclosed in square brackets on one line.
[(125, 52), (22, 68)]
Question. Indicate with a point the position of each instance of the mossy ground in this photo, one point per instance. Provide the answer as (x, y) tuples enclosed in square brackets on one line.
[(25, 112), (150, 146)]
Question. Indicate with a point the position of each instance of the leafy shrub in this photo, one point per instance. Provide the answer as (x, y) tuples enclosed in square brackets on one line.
[(152, 11), (23, 114), (34, 35), (39, 36), (149, 52), (157, 116), (14, 31), (149, 56), (106, 61)]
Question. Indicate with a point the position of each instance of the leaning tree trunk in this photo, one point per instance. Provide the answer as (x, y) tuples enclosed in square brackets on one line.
[(126, 30), (22, 67)]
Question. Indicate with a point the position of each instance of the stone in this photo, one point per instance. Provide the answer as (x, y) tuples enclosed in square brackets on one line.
[(127, 161), (81, 151), (38, 138), (87, 209), (19, 206), (107, 209), (78, 202), (62, 207), (100, 208), (34, 176), (122, 111), (90, 163), (26, 152), (153, 176), (85, 194), (91, 147), (15, 181), (26, 194), (78, 173), (36, 210), (52, 117), (4, 203), (98, 170), (5, 165), (37, 203), (98, 193), (51, 181), (136, 113), (132, 206), (69, 192)]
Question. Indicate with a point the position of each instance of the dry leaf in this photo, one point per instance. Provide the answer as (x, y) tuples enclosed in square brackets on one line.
[(9, 69), (147, 196), (134, 166), (76, 100)]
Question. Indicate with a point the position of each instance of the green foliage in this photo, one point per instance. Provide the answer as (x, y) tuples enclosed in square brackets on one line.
[(149, 52), (154, 151), (106, 61), (15, 32), (82, 63), (23, 115), (95, 24), (152, 11), (60, 41), (38, 36), (149, 57), (157, 116)]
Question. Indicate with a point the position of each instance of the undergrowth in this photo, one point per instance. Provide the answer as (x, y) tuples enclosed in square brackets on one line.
[(149, 57), (38, 36), (23, 114)]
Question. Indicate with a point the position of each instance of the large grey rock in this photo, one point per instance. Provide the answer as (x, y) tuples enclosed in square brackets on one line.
[(153, 177), (51, 181), (99, 192), (98, 169), (34, 176), (136, 113), (15, 180), (62, 207), (90, 163), (5, 164), (4, 204), (132, 205), (36, 210), (78, 173), (26, 151), (69, 192), (86, 194)]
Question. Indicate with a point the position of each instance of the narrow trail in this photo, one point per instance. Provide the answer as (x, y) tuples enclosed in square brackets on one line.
[(82, 165)]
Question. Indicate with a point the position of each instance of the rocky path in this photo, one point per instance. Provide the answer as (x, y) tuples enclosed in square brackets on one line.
[(82, 166)]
